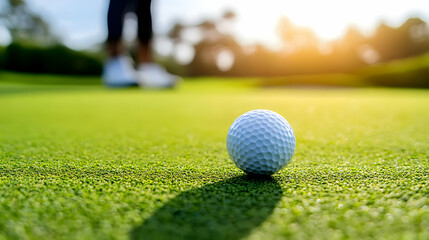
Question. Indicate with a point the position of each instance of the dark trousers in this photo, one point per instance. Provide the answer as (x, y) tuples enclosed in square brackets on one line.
[(115, 19)]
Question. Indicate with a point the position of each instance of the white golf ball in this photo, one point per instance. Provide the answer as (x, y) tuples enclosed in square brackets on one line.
[(260, 142)]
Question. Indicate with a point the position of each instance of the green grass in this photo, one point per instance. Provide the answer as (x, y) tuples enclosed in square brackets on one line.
[(409, 72), (316, 80), (85, 162)]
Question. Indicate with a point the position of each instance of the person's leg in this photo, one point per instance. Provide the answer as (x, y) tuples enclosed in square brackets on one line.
[(115, 21), (145, 31), (118, 69), (150, 74)]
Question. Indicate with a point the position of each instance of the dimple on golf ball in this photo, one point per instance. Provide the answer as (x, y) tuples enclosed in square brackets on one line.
[(260, 142)]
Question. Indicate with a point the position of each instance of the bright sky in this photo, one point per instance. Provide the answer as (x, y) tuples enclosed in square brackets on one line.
[(81, 23)]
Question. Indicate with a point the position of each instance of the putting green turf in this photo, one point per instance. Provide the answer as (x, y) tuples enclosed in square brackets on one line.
[(85, 162)]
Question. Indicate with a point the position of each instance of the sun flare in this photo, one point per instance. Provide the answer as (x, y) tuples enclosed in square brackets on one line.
[(328, 19)]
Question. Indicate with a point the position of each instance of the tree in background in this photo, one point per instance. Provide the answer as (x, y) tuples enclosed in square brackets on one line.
[(34, 48), (24, 25), (215, 49), (409, 39)]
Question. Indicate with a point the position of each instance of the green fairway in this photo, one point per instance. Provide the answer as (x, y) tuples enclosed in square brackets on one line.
[(86, 162)]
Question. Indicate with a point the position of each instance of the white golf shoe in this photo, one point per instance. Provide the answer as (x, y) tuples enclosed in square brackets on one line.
[(119, 72), (152, 75)]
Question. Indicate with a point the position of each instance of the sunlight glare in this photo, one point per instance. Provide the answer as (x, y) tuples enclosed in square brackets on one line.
[(329, 19)]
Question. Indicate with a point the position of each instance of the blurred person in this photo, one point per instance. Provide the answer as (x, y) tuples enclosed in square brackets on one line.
[(118, 69)]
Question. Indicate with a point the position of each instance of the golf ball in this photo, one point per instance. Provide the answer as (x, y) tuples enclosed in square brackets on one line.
[(260, 142)]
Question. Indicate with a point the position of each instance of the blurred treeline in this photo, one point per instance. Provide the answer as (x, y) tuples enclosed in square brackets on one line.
[(35, 48), (209, 48), (391, 56), (302, 51), (55, 59)]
